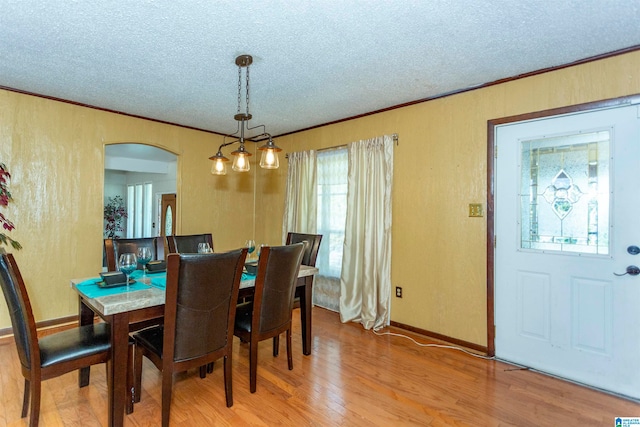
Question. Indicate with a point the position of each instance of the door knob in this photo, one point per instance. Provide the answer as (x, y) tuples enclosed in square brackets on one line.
[(632, 270)]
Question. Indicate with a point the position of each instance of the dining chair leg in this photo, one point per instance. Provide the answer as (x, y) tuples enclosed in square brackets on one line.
[(25, 399), (289, 355), (130, 379), (203, 371), (253, 364), (34, 415), (228, 384), (167, 383), (276, 345), (210, 367), (137, 372)]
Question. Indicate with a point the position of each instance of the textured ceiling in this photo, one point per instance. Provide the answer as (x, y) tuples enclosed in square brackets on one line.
[(314, 61)]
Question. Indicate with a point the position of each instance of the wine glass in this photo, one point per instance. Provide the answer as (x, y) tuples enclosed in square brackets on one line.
[(204, 248), (144, 256), (128, 263), (251, 246)]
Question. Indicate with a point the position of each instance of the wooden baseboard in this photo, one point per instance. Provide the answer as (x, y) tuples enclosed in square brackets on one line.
[(440, 337), (61, 321), (45, 324)]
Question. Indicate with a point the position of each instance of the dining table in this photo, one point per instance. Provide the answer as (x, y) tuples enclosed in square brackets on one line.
[(128, 307)]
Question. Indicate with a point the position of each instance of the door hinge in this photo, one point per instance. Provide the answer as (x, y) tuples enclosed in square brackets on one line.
[(495, 241), (495, 152)]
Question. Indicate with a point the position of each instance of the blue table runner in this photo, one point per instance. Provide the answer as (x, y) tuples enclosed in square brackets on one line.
[(91, 289)]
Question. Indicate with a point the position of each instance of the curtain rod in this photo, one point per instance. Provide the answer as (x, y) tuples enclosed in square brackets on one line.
[(338, 147)]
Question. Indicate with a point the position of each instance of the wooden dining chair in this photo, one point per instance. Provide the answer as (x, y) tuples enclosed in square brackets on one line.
[(200, 306), (311, 249), (114, 247), (269, 313), (188, 244), (52, 355)]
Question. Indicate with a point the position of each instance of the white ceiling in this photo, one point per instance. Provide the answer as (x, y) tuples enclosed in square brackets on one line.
[(314, 61)]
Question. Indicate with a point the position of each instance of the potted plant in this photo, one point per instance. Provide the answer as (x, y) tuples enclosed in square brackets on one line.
[(5, 198), (114, 214)]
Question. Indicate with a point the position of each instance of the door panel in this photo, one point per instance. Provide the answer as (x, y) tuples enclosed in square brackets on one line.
[(533, 300), (566, 211)]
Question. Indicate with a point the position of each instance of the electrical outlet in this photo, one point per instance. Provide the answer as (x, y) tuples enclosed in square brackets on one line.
[(398, 292)]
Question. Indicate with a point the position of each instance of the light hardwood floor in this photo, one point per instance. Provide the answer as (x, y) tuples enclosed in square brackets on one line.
[(353, 378)]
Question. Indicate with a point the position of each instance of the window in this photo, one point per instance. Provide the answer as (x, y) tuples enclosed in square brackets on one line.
[(332, 209), (565, 193), (139, 210)]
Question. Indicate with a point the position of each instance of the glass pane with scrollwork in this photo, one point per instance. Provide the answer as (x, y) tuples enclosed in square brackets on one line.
[(168, 222), (564, 193)]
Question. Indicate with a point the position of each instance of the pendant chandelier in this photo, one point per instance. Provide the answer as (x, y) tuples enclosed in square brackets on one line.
[(269, 159)]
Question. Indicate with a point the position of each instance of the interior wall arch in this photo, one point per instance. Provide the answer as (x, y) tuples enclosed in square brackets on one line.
[(129, 164)]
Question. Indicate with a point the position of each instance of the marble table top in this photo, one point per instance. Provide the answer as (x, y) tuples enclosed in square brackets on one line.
[(138, 299)]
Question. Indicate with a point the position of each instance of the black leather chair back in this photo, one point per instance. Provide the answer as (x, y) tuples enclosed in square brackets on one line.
[(311, 249), (19, 306), (54, 354), (206, 298), (188, 244), (115, 247), (275, 285), (199, 315)]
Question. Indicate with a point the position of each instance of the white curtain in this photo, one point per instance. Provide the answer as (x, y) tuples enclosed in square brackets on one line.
[(301, 215), (365, 283), (301, 196)]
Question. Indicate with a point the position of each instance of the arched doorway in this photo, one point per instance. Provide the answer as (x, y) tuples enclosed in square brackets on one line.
[(141, 176)]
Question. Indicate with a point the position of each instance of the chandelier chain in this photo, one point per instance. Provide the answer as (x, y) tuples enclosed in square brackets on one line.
[(239, 88), (248, 90)]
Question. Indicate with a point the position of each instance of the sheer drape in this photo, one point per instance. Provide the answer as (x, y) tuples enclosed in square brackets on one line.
[(360, 286), (333, 168), (301, 198), (365, 284)]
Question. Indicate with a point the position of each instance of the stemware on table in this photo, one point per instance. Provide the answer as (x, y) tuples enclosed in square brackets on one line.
[(204, 248), (127, 264), (251, 246), (144, 256)]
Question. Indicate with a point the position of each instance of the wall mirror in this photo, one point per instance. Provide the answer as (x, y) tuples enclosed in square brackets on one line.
[(143, 177)]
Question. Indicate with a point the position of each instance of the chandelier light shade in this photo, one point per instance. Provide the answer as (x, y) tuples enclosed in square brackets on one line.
[(219, 166), (241, 159), (269, 159)]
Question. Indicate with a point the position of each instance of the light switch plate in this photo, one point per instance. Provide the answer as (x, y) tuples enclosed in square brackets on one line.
[(475, 210)]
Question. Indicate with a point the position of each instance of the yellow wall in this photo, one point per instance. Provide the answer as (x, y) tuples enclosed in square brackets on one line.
[(439, 253), (55, 153)]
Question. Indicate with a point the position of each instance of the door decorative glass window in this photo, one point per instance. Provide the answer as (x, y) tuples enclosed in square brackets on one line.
[(564, 193), (168, 222)]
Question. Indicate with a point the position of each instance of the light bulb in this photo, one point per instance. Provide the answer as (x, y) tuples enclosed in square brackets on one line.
[(241, 163), (218, 167), (270, 157)]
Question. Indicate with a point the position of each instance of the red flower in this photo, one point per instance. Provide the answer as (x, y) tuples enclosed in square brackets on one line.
[(5, 198)]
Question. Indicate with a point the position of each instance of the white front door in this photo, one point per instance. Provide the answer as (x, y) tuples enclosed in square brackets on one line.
[(567, 217)]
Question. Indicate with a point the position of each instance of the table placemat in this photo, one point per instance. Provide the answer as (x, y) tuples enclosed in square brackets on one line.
[(92, 290)]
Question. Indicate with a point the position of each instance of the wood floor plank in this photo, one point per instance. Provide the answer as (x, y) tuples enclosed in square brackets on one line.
[(352, 378)]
